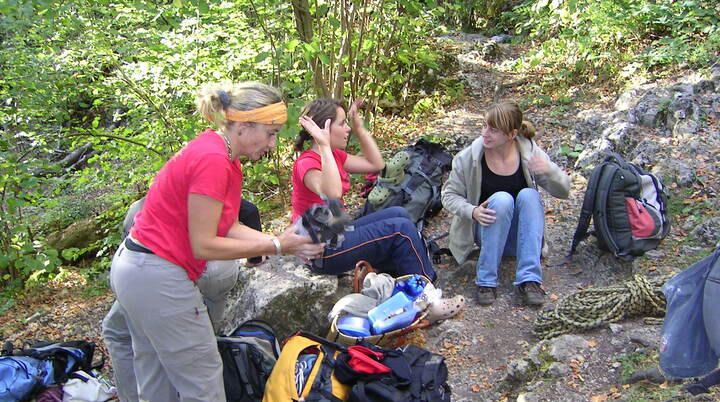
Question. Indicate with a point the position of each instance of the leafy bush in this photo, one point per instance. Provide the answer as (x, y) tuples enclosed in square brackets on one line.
[(598, 39), (120, 78)]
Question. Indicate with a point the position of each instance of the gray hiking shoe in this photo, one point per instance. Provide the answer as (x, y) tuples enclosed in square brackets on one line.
[(486, 295), (532, 293)]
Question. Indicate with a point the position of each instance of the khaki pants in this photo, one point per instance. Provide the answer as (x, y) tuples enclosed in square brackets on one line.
[(159, 332)]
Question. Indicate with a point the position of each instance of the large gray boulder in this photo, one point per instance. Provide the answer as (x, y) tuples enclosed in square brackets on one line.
[(284, 293)]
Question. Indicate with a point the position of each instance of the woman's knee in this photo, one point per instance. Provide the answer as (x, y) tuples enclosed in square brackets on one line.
[(398, 212), (528, 195), (402, 225), (501, 202)]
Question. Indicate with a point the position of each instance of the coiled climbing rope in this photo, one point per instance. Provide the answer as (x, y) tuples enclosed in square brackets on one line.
[(593, 308)]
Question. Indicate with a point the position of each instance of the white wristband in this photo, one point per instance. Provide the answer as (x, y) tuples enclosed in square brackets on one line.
[(278, 246)]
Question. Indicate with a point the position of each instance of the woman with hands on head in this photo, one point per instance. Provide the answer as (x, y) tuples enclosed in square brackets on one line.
[(387, 239), (492, 191), (190, 216)]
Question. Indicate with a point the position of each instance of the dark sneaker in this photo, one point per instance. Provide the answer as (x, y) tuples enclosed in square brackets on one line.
[(532, 293), (486, 296)]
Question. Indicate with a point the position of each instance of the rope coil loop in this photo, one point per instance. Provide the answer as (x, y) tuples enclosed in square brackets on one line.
[(593, 308)]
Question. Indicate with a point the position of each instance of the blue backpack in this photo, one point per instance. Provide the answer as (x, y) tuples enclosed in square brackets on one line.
[(686, 349), (26, 372), (20, 378)]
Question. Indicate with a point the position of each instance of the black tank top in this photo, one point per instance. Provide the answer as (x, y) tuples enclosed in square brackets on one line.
[(492, 183)]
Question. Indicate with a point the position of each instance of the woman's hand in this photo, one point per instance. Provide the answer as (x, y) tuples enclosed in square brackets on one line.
[(538, 165), (355, 118), (320, 135), (483, 215), (301, 246)]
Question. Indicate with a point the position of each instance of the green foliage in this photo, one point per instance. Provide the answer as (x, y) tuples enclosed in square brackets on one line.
[(120, 78), (473, 15), (25, 254), (572, 152), (598, 40), (631, 362)]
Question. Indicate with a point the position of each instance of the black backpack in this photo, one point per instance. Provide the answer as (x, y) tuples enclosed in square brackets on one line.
[(248, 354), (628, 207), (418, 376), (62, 358), (411, 179)]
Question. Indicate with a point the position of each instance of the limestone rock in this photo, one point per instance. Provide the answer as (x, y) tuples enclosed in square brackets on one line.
[(708, 232), (80, 234), (284, 293), (566, 347), (558, 370), (520, 370), (651, 108)]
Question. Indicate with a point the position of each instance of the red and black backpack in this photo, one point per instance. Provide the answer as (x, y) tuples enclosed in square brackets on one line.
[(628, 208)]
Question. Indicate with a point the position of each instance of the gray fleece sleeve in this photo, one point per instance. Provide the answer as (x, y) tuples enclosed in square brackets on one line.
[(454, 191)]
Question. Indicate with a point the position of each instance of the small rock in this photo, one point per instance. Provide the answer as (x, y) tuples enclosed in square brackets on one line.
[(616, 328), (704, 86), (558, 370), (690, 250), (528, 397), (502, 38), (519, 370), (566, 347), (654, 255), (647, 337), (708, 232)]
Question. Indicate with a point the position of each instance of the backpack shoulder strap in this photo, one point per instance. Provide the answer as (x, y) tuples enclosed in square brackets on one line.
[(323, 382), (588, 206)]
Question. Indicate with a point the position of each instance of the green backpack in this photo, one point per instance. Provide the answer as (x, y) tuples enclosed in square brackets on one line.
[(411, 179)]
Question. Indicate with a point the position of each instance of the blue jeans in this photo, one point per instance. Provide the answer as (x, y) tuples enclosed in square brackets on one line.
[(387, 239), (517, 231)]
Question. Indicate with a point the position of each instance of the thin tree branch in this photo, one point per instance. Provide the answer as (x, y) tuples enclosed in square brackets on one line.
[(116, 137)]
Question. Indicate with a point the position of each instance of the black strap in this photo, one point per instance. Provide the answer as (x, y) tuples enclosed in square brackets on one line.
[(432, 366), (586, 211), (242, 364), (321, 340), (132, 246), (322, 385), (601, 225)]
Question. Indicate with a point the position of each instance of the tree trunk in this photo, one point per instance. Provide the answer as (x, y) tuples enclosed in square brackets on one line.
[(303, 24)]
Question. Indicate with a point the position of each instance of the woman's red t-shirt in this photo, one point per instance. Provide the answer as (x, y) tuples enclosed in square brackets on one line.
[(201, 167), (302, 197)]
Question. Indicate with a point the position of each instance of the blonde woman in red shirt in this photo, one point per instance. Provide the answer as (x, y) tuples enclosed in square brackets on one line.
[(191, 216)]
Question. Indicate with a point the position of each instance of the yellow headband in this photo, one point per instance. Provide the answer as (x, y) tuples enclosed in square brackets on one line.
[(270, 114)]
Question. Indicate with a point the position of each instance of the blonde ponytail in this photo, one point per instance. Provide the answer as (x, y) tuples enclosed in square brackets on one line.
[(527, 130)]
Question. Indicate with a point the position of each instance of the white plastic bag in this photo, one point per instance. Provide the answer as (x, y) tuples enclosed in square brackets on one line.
[(83, 387), (429, 295)]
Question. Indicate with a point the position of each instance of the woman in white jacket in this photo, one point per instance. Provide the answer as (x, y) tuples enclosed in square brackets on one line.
[(492, 191)]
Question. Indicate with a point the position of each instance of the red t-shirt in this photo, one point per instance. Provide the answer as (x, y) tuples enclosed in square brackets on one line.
[(302, 197), (201, 167)]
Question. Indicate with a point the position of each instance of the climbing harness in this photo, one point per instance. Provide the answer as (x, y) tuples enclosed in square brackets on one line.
[(593, 308)]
